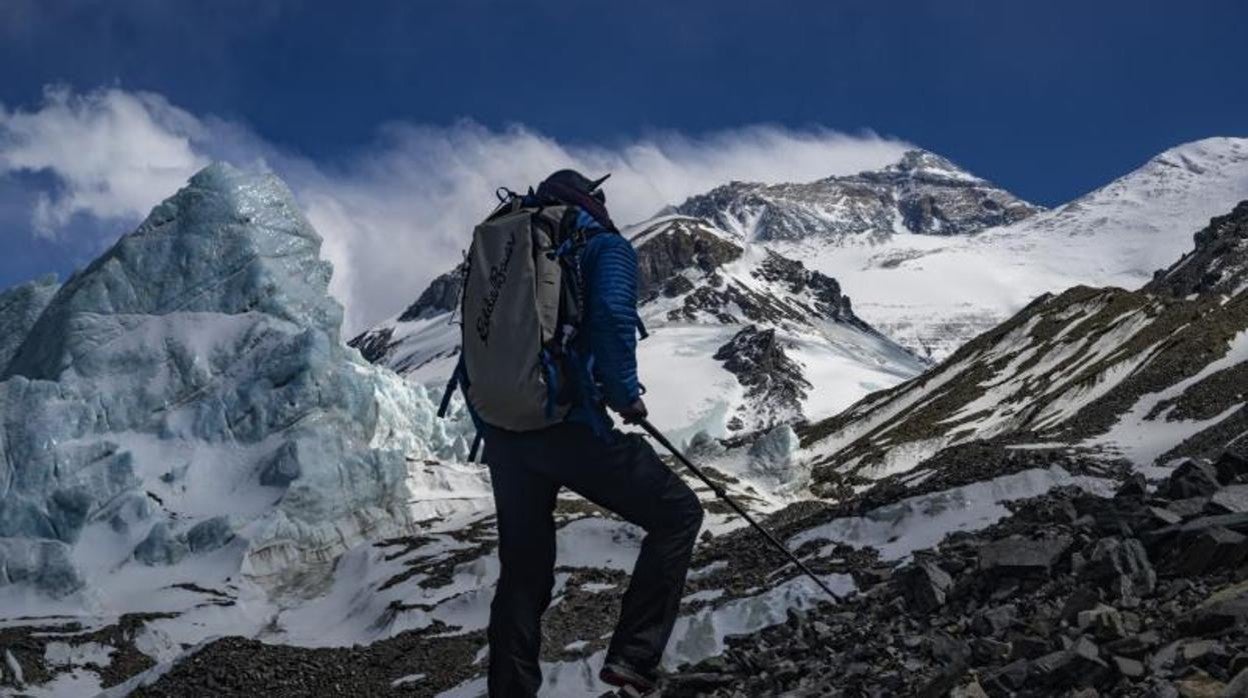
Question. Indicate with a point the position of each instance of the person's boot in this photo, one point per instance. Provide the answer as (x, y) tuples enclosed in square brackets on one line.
[(621, 673)]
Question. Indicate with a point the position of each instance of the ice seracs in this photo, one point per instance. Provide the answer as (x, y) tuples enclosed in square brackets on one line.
[(20, 308), (187, 394)]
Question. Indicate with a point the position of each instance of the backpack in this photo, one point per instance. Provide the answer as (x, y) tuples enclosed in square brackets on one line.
[(520, 310)]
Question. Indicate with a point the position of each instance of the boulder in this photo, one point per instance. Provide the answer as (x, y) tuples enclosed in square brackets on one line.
[(1200, 685), (1189, 507), (1209, 549), (989, 651), (1135, 487), (1192, 478), (1081, 665), (1103, 621), (1008, 679), (993, 621), (1134, 646), (1081, 599), (1130, 668), (1121, 567), (1164, 516), (1232, 499), (1022, 556), (1238, 687), (1231, 468), (1204, 653), (970, 690), (924, 586), (1217, 616)]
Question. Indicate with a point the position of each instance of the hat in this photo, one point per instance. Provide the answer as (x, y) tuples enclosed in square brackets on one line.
[(572, 187)]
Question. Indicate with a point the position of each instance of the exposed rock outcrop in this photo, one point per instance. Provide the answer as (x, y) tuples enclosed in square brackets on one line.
[(773, 381)]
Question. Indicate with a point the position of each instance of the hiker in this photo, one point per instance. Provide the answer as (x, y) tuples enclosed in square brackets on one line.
[(586, 364)]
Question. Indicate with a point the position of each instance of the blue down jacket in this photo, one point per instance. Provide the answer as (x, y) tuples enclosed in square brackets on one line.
[(609, 324)]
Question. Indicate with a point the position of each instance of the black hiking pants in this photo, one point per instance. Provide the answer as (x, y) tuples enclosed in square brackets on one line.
[(623, 475)]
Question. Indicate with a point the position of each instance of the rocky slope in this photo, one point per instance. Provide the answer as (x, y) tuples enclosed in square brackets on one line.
[(703, 291), (1148, 375), (1138, 594)]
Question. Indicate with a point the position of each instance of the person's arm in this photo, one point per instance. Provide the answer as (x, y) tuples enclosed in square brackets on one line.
[(611, 285)]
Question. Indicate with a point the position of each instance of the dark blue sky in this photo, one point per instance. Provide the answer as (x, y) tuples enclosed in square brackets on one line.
[(1048, 98)]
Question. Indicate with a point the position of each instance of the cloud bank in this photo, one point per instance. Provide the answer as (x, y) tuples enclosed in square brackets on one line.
[(111, 152), (398, 211)]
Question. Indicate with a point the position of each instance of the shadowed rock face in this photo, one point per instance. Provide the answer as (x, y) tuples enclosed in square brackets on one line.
[(685, 259), (682, 244), (442, 296), (830, 303), (922, 193), (1219, 264), (773, 381)]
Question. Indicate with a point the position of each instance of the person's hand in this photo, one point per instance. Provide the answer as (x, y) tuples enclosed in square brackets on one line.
[(635, 412)]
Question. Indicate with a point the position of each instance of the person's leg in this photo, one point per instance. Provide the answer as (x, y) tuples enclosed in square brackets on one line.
[(525, 501), (626, 476)]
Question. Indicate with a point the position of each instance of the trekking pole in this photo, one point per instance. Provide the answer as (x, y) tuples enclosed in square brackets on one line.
[(719, 492)]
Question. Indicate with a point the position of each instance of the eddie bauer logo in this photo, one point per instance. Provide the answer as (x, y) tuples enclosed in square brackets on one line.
[(498, 277)]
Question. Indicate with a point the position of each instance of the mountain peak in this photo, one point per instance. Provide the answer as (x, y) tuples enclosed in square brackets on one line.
[(920, 193), (1194, 154), (230, 241), (924, 163)]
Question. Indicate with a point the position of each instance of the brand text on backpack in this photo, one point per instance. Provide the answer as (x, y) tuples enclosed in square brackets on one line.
[(498, 276)]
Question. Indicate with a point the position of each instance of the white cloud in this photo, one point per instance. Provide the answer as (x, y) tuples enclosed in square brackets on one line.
[(111, 150), (400, 210)]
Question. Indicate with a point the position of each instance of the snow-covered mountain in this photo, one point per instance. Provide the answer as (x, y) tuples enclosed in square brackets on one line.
[(205, 493), (922, 193), (1076, 478), (190, 453), (1148, 376), (739, 335), (933, 293)]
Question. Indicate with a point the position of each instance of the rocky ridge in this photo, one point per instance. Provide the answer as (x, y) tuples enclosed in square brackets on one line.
[(691, 272), (1101, 369), (922, 193)]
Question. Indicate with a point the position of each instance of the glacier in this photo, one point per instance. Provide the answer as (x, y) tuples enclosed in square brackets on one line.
[(188, 394)]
